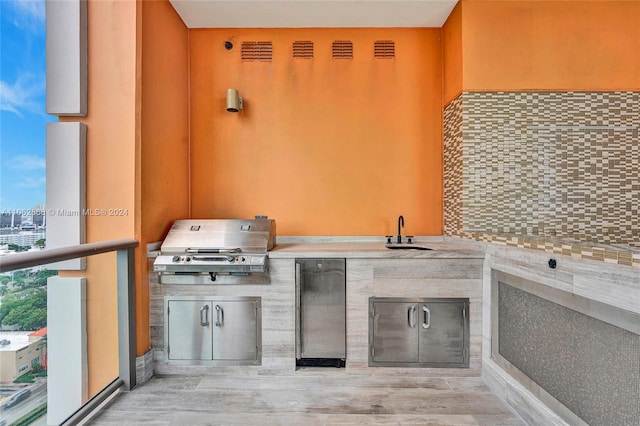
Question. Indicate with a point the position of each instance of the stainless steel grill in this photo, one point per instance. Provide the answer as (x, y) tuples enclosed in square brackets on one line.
[(199, 251)]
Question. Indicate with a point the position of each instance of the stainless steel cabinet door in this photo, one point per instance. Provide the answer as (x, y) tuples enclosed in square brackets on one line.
[(189, 334), (395, 332), (442, 333), (321, 311), (234, 327), (419, 332)]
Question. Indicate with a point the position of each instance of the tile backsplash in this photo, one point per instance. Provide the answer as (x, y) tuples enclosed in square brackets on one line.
[(545, 166)]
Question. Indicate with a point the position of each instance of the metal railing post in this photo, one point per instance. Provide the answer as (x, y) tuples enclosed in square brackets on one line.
[(126, 318)]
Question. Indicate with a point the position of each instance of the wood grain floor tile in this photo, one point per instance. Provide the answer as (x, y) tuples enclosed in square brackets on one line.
[(309, 398)]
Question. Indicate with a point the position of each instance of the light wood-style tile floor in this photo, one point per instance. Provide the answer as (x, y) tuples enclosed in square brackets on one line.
[(308, 399)]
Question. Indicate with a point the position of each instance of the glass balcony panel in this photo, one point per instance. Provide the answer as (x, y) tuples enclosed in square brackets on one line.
[(23, 343), (59, 337)]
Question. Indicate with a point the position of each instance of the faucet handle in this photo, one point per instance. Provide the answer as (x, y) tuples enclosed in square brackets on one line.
[(409, 239), (388, 237)]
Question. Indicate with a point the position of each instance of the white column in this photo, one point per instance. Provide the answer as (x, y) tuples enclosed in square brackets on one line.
[(66, 347), (66, 57), (66, 189)]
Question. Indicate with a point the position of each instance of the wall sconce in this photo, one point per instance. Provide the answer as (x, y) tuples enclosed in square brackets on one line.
[(234, 100)]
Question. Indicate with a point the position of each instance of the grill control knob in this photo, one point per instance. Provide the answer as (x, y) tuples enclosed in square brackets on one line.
[(230, 258), (176, 259)]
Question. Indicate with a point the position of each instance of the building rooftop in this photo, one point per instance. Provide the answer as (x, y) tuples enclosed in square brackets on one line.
[(18, 339), (40, 333)]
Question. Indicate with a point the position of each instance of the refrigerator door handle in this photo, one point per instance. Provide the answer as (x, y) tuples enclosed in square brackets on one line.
[(298, 312)]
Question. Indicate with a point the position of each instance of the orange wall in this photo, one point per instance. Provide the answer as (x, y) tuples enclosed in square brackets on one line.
[(164, 189), (111, 168), (324, 146), (551, 45), (452, 55), (137, 156)]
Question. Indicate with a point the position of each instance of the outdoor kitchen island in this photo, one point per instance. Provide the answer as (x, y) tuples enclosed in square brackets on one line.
[(276, 392), (446, 271)]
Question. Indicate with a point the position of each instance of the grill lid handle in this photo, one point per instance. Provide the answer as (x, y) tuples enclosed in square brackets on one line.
[(211, 258), (213, 250)]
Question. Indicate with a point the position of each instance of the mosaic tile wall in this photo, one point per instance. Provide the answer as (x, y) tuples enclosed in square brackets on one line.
[(453, 169), (544, 165)]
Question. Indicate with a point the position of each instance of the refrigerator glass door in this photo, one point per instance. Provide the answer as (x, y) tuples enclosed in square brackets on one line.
[(321, 311)]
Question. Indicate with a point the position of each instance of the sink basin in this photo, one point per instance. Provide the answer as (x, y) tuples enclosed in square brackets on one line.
[(407, 247)]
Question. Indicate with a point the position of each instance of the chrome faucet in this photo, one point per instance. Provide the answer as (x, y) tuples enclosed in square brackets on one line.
[(400, 225)]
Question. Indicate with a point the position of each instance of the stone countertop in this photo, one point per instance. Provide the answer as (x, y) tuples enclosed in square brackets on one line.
[(372, 250)]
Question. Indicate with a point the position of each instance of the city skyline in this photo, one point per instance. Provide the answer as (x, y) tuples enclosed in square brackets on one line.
[(22, 105)]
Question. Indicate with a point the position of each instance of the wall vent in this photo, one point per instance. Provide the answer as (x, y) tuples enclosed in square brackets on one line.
[(342, 49), (257, 51), (384, 49), (303, 50)]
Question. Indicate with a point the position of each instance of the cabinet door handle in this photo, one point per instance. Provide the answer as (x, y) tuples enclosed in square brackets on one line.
[(219, 316), (411, 316), (204, 319), (426, 323)]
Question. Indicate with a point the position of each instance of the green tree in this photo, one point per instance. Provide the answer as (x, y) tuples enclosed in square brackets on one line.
[(21, 274), (3, 289), (16, 247), (41, 243), (28, 312), (42, 275), (19, 278)]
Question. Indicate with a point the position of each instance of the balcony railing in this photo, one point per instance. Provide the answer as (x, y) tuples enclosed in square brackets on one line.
[(124, 248)]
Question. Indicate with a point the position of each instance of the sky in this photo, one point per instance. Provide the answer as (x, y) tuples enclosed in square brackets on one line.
[(22, 104)]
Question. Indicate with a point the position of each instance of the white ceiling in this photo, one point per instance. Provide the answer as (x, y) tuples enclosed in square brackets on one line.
[(312, 13)]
